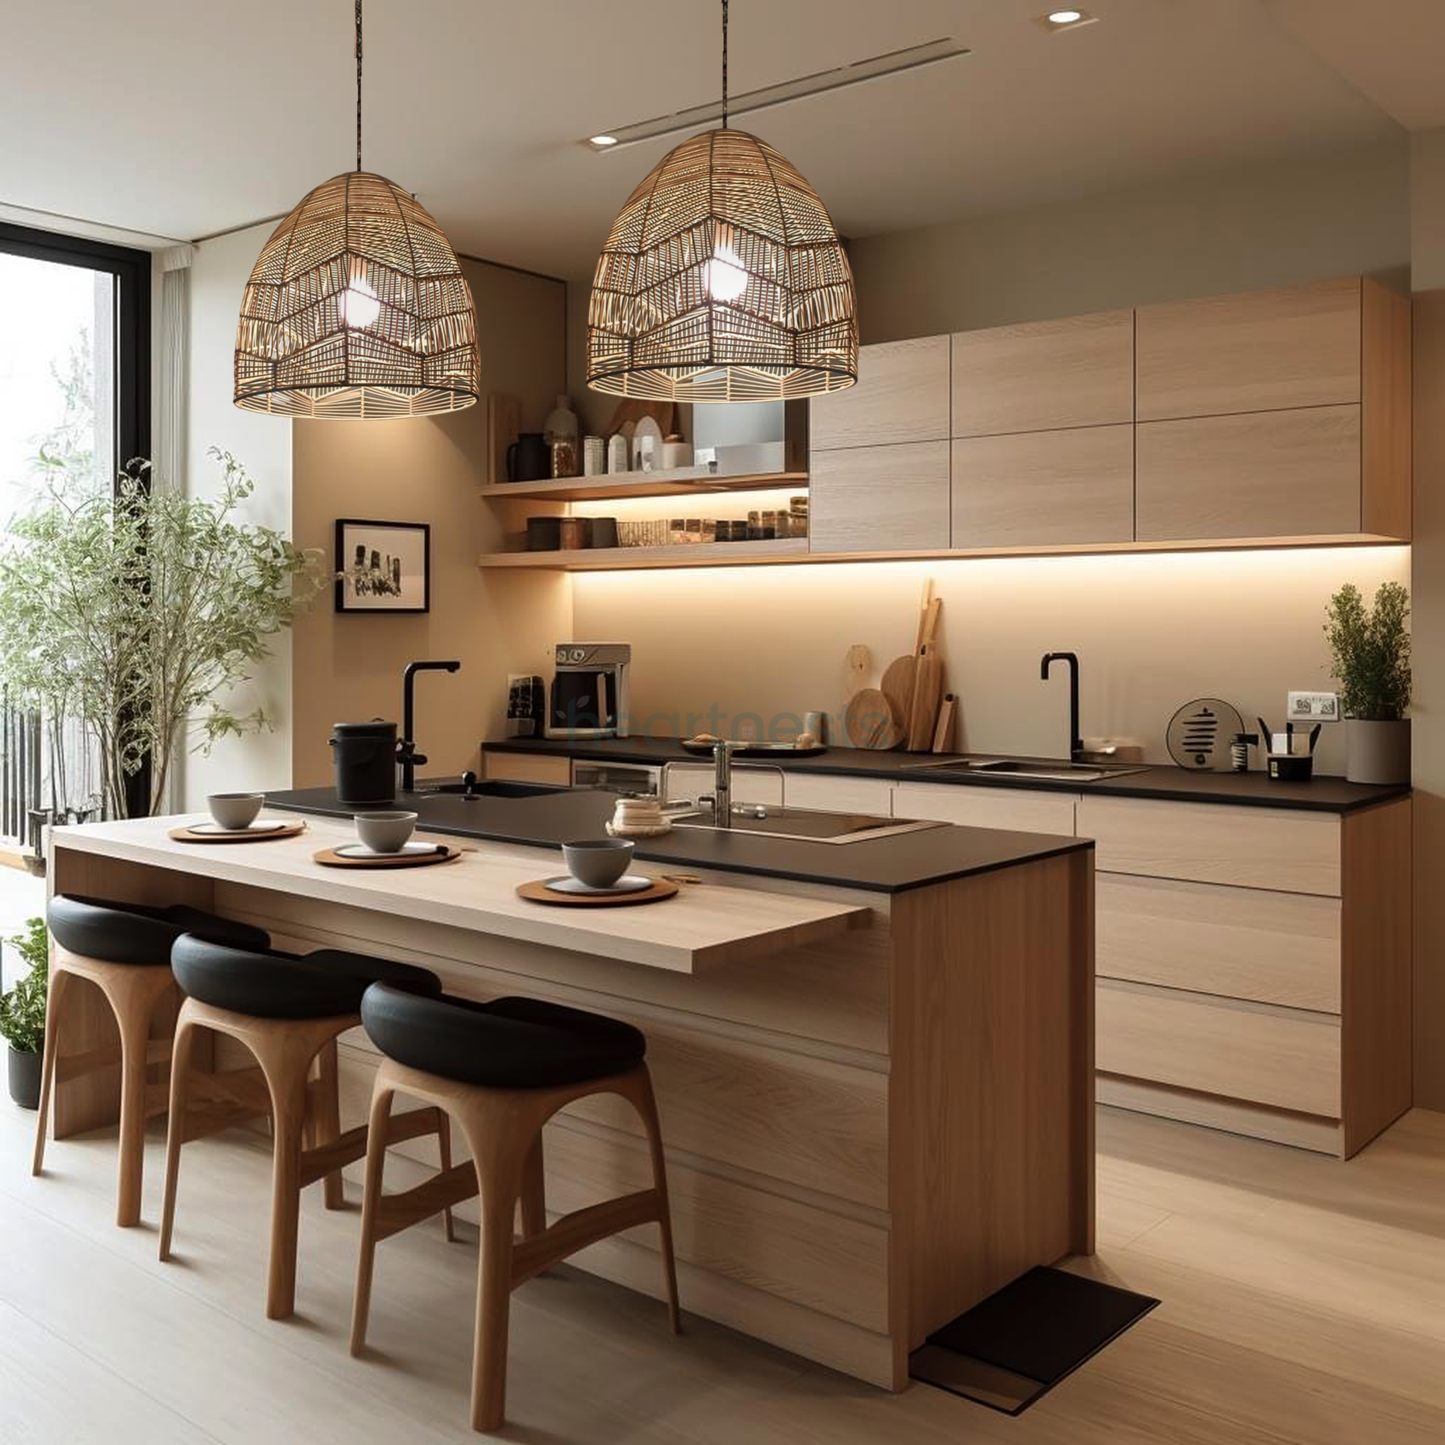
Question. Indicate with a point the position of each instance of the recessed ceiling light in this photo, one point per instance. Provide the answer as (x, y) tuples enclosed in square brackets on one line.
[(602, 141), (1057, 20)]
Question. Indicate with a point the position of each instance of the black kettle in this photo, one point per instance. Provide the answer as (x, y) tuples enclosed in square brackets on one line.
[(528, 459)]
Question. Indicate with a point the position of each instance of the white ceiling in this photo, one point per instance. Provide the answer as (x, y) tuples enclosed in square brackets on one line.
[(184, 118)]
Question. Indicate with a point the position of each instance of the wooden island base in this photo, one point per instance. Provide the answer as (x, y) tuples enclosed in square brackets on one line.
[(877, 1107)]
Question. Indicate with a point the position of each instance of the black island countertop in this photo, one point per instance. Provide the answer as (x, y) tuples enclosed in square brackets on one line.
[(1321, 794), (891, 864)]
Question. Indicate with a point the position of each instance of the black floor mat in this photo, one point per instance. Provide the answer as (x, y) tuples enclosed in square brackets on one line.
[(1020, 1342)]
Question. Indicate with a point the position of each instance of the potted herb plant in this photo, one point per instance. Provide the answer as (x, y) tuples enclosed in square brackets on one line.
[(22, 1014), (1370, 657)]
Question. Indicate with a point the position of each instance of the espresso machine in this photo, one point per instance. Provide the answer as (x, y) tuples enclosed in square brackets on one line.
[(588, 696)]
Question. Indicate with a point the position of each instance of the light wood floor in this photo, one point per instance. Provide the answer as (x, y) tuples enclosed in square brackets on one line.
[(1304, 1301)]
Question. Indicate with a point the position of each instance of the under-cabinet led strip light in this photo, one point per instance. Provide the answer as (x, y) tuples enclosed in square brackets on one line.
[(874, 68)]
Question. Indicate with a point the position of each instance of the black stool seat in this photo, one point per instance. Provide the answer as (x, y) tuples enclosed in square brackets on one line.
[(507, 1043), (133, 933), (267, 983)]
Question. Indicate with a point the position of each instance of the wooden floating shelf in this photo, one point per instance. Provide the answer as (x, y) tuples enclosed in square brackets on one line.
[(680, 482), (682, 554), (796, 550)]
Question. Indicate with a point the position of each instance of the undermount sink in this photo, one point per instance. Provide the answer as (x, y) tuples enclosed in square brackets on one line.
[(489, 788), (1053, 769), (802, 824)]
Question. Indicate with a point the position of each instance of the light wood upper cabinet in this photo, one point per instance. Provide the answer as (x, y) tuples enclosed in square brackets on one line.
[(880, 499), (1041, 375), (1263, 351), (1255, 474), (901, 396), (1048, 488)]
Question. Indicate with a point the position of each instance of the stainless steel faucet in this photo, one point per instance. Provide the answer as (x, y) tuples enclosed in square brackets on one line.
[(722, 784)]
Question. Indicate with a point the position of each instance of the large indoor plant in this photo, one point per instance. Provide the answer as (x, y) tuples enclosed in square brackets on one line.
[(140, 613), (22, 1014), (1370, 657)]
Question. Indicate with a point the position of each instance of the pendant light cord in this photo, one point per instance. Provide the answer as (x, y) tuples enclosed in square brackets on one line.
[(724, 58), (359, 84)]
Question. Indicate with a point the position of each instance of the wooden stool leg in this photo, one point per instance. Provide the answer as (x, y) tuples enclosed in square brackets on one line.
[(499, 1159), (59, 979), (328, 1122), (370, 1202), (133, 1020), (176, 1123), (646, 1104), (444, 1157), (288, 1113), (534, 1191)]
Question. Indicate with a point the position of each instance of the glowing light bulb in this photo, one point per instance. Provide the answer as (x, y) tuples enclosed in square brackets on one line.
[(359, 304), (1065, 17), (724, 276)]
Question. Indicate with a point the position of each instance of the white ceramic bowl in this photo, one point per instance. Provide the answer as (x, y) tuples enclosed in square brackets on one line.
[(598, 862), (385, 832), (235, 810)]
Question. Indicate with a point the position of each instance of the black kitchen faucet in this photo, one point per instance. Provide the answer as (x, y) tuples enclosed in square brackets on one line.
[(1076, 743), (408, 755)]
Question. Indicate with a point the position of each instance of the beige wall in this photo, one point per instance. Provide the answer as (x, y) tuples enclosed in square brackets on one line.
[(348, 667), (263, 443), (1428, 729), (1344, 214)]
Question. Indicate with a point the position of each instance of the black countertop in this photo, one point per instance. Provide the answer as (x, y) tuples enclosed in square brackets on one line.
[(1320, 794), (881, 865)]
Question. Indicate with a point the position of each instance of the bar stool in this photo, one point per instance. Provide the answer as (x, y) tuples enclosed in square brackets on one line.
[(124, 949), (501, 1070), (287, 1010)]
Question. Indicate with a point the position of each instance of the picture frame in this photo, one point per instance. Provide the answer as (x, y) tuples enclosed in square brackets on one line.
[(382, 567)]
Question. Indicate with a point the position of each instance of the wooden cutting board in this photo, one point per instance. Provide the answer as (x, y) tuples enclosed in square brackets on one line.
[(856, 663), (504, 421), (927, 689), (897, 687), (946, 730), (870, 722)]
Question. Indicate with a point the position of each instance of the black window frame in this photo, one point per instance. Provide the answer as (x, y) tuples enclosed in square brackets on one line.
[(131, 268)]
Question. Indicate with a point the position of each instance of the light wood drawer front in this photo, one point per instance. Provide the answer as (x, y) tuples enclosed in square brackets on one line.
[(1257, 352), (1280, 948), (1011, 808), (810, 1255), (816, 1124), (1044, 489), (1275, 848), (901, 396), (832, 794), (1269, 474), (528, 768), (880, 499), (1235, 1050), (1038, 375)]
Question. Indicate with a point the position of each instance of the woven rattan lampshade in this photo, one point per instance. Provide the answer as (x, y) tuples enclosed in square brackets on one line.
[(357, 308), (723, 280)]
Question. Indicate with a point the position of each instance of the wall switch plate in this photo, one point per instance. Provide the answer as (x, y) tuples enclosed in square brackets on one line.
[(1313, 707)]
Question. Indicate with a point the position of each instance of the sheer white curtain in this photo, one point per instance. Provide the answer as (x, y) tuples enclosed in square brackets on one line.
[(173, 359)]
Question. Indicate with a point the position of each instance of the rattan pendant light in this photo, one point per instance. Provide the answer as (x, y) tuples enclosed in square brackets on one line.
[(357, 306), (723, 280)]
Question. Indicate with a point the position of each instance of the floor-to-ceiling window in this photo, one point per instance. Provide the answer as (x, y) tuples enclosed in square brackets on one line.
[(74, 408)]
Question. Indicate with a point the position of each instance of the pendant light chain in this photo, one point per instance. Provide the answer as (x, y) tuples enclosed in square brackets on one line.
[(358, 85), (724, 59)]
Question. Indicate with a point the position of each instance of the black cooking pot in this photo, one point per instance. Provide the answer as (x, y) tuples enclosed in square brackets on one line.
[(365, 755)]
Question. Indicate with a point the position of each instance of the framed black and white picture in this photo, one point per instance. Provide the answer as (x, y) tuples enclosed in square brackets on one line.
[(382, 566)]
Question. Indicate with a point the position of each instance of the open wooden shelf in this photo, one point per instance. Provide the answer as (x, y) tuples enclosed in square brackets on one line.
[(682, 554), (681, 482)]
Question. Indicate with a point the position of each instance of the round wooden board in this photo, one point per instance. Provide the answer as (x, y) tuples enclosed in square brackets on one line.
[(538, 892), (186, 835), (330, 858)]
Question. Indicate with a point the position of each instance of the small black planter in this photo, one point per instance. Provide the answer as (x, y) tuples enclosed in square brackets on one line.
[(25, 1079)]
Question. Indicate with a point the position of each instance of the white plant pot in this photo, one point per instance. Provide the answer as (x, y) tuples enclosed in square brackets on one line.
[(1377, 752)]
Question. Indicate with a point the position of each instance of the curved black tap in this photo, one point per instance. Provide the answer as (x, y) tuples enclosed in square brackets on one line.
[(408, 755), (1076, 743)]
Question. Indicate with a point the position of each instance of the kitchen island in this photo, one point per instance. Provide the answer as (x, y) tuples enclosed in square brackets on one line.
[(873, 1061)]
